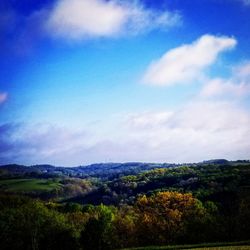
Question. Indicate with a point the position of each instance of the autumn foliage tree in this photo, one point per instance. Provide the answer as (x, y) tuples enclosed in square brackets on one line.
[(164, 216)]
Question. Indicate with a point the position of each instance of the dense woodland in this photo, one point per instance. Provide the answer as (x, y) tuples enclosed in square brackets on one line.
[(114, 206)]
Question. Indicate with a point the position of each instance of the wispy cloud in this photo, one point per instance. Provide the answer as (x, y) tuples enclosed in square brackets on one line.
[(242, 71), (224, 87), (3, 97), (187, 62), (147, 120), (81, 19), (238, 85), (246, 2), (20, 32)]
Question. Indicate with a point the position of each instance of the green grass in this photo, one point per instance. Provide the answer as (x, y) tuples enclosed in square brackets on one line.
[(225, 248), (29, 185), (243, 245)]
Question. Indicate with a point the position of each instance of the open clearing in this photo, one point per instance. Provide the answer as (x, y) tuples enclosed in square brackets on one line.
[(199, 248), (29, 185), (244, 245)]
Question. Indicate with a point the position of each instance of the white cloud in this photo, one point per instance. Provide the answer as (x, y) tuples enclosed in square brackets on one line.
[(238, 85), (3, 97), (42, 143), (243, 71), (198, 131), (80, 19), (214, 124), (187, 62), (227, 88), (148, 120), (202, 129)]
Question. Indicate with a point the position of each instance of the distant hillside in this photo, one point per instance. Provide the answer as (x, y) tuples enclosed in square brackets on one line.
[(115, 183), (100, 170)]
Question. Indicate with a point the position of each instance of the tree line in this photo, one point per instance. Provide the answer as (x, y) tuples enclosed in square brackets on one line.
[(167, 217)]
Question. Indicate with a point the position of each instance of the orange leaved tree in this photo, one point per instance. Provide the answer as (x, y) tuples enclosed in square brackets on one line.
[(163, 216)]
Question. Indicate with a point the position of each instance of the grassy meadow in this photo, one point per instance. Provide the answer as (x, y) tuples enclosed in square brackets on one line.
[(243, 245), (29, 185)]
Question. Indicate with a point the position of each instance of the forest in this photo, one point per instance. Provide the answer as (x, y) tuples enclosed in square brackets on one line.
[(132, 205)]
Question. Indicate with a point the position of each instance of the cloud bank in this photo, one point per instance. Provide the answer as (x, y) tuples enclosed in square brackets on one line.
[(187, 62), (201, 130), (45, 143), (81, 19)]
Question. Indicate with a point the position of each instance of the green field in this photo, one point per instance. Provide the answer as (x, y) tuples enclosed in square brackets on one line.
[(224, 248), (207, 248), (29, 185), (244, 245), (199, 248)]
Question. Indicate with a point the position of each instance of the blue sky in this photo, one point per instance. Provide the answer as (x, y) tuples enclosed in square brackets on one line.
[(85, 81)]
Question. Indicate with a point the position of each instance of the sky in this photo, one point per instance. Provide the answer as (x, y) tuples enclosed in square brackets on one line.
[(86, 81)]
